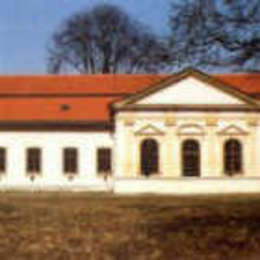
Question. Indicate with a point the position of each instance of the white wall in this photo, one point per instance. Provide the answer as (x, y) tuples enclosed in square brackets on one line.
[(187, 186), (125, 156), (186, 125), (52, 144)]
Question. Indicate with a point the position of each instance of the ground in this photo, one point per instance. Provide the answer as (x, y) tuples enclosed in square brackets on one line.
[(105, 226)]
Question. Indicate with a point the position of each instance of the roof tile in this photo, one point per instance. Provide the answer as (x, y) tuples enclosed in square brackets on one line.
[(42, 98)]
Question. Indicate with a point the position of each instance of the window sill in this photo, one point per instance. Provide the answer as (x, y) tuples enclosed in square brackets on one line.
[(235, 176)]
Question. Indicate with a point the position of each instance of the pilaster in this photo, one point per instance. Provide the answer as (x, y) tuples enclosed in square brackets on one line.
[(129, 170), (211, 169), (253, 165), (171, 153)]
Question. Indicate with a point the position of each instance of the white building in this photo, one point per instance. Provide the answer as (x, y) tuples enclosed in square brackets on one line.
[(185, 133)]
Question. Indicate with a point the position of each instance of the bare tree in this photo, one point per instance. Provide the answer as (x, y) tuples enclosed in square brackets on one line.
[(191, 31), (216, 33), (105, 40)]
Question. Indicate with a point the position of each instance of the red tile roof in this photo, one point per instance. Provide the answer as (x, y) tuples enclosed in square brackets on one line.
[(109, 84), (82, 98), (248, 83), (77, 84), (55, 109)]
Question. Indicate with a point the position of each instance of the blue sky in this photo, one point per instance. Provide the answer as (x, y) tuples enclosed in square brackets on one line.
[(26, 27)]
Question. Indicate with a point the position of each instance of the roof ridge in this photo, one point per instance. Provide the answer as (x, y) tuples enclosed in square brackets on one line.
[(80, 75), (236, 74), (114, 75)]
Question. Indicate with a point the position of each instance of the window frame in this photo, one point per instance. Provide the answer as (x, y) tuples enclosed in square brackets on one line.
[(70, 162), (4, 168), (233, 154), (34, 161), (147, 169), (99, 166), (193, 154)]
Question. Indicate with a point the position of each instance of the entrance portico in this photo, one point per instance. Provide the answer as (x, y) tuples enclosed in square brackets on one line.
[(161, 141)]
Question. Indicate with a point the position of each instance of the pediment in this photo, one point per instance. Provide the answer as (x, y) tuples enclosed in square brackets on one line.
[(149, 130), (190, 129), (190, 87), (190, 91), (232, 130)]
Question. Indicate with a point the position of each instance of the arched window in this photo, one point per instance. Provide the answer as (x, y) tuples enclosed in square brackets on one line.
[(33, 160), (191, 158), (149, 157), (233, 157)]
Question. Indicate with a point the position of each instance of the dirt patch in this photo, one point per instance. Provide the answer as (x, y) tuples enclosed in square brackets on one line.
[(100, 226)]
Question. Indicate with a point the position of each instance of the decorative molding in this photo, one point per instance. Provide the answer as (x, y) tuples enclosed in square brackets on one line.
[(129, 122), (189, 108), (211, 121), (149, 130), (190, 129), (232, 130), (252, 122), (43, 126), (170, 121)]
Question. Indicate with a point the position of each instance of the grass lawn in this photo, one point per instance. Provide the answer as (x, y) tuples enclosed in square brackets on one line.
[(103, 226)]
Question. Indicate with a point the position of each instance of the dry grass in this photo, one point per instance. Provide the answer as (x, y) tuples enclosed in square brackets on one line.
[(102, 226)]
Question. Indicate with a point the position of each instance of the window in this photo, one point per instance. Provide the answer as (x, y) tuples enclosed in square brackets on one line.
[(149, 157), (33, 160), (70, 160), (104, 160), (233, 157), (191, 158), (2, 159)]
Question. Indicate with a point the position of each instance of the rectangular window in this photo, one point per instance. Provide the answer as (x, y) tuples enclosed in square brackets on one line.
[(2, 159), (70, 160), (104, 160), (33, 160)]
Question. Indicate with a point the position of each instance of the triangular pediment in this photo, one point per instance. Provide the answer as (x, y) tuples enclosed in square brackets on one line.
[(190, 129), (190, 87), (232, 130), (149, 130), (191, 91)]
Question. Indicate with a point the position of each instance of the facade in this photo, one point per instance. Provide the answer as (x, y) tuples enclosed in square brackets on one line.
[(182, 134)]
